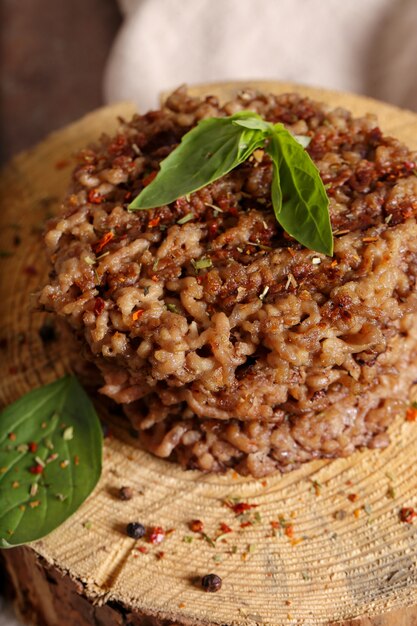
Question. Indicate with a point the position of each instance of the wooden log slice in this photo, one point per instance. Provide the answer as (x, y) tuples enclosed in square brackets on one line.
[(343, 561)]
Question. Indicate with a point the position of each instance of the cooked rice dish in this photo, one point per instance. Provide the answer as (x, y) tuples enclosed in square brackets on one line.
[(227, 343)]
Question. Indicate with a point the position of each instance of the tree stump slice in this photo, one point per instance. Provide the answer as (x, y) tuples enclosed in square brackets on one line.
[(350, 563)]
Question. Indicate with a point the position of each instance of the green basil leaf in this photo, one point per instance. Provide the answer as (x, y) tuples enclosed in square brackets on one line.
[(50, 459), (254, 122), (207, 152), (302, 205)]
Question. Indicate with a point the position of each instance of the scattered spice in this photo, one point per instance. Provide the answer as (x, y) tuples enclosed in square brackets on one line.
[(186, 218), (353, 497), (211, 583), (36, 469), (264, 293), (125, 493), (88, 525), (34, 504), (411, 414), (33, 447), (172, 307), (142, 549), (99, 306), (95, 197), (156, 535), (160, 555), (239, 507), (99, 245), (33, 489), (135, 530), (12, 436), (317, 487), (407, 514), (208, 539), (15, 484), (154, 222), (201, 264), (196, 526), (137, 314), (64, 464), (187, 539), (225, 528)]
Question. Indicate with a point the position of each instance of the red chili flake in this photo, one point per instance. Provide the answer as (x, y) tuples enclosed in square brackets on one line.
[(76, 460), (12, 436), (137, 314), (246, 524), (95, 197), (411, 415), (148, 179), (212, 229), (156, 535), (60, 165), (33, 446), (142, 549), (275, 525), (99, 305), (34, 504), (196, 526), (264, 483), (160, 555), (240, 507), (36, 469), (153, 223), (353, 497), (225, 528), (98, 247), (118, 144), (289, 531), (128, 195), (407, 514)]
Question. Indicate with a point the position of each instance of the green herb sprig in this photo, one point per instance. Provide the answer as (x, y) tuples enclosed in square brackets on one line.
[(217, 145), (50, 459)]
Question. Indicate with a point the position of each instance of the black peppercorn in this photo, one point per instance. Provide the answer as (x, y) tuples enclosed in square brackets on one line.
[(125, 493), (211, 583), (136, 530)]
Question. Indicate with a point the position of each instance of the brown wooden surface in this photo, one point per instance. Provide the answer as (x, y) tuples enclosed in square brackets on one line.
[(361, 568), (52, 57)]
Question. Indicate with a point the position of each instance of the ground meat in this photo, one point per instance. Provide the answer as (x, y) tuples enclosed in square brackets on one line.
[(272, 354)]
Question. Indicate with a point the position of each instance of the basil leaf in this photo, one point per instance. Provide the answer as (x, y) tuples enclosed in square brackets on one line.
[(50, 459), (301, 206), (254, 122), (207, 152)]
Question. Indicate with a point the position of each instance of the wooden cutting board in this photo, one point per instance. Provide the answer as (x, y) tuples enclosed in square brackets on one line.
[(343, 561)]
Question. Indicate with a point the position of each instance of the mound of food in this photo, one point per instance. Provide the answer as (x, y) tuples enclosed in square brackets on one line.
[(228, 343)]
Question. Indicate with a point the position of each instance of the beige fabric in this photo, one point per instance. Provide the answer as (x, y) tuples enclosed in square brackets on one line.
[(363, 46)]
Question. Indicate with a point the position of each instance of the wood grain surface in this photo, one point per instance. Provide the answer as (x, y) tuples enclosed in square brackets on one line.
[(343, 562)]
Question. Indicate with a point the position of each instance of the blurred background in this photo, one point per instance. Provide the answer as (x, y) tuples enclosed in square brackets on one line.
[(62, 58), (52, 57)]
